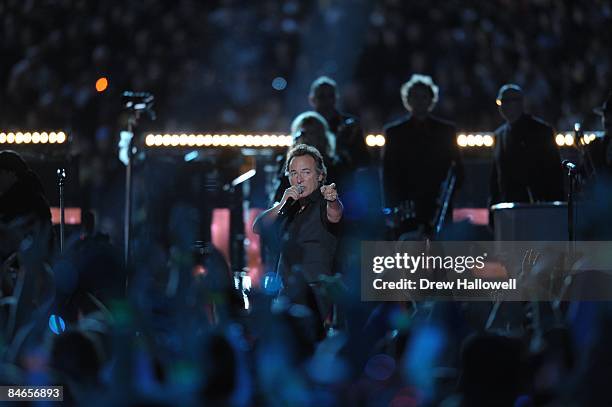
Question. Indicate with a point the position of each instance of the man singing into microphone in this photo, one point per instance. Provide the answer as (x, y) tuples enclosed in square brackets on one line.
[(304, 223)]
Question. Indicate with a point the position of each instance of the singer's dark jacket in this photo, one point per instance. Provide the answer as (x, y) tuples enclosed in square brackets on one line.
[(307, 239), (416, 160), (527, 164)]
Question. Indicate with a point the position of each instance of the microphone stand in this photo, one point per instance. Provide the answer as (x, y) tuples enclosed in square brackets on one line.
[(572, 174), (135, 103), (127, 226), (61, 179)]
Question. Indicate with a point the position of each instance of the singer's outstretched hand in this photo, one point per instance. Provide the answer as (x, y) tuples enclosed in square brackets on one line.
[(329, 192), (334, 206)]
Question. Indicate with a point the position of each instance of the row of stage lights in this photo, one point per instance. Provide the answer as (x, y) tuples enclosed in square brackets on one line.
[(218, 140), (464, 140), (35, 137), (568, 139)]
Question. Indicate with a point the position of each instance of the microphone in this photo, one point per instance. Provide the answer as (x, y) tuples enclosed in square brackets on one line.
[(289, 203), (568, 165)]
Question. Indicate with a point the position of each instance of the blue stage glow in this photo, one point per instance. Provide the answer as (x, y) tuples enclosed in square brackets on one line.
[(279, 83), (272, 283), (57, 324)]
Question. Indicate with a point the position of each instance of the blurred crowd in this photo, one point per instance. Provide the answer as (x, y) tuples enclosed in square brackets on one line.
[(213, 65)]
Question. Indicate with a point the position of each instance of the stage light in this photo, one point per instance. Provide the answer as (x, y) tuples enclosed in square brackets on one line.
[(569, 139), (498, 102), (150, 140), (101, 84), (279, 83), (191, 140), (478, 140), (32, 137), (183, 140), (462, 140), (61, 137), (208, 140), (166, 139), (488, 140), (224, 140), (560, 140), (470, 140), (191, 156), (375, 140)]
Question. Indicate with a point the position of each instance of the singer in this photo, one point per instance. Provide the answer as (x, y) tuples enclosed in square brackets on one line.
[(305, 224)]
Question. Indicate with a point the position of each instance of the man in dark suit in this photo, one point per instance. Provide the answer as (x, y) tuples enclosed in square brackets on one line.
[(527, 164), (350, 144), (600, 150), (419, 151)]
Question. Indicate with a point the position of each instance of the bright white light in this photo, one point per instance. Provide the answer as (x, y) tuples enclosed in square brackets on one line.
[(569, 139), (478, 140), (488, 140), (183, 140), (560, 140), (150, 140), (209, 140), (470, 140)]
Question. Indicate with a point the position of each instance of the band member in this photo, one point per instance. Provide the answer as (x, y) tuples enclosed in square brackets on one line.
[(304, 222), (600, 150), (350, 144), (419, 151), (527, 165)]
